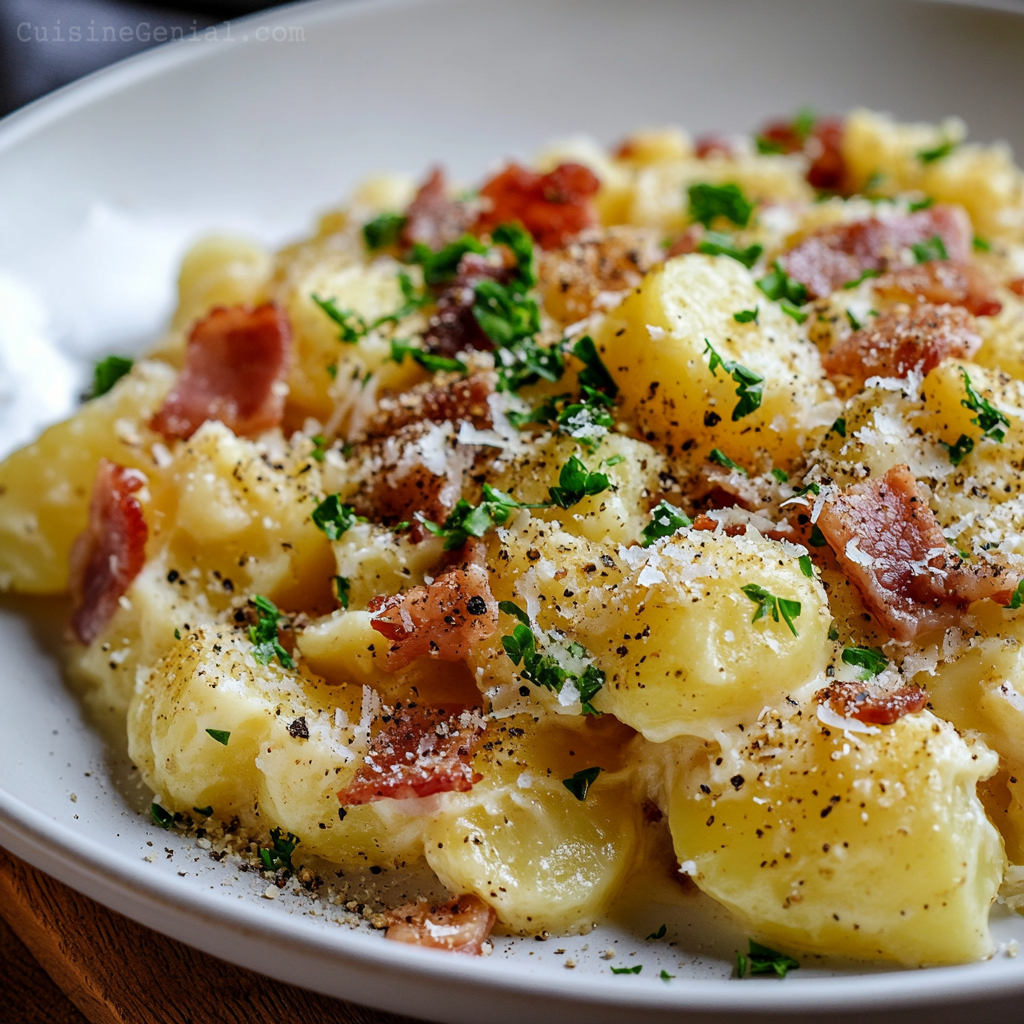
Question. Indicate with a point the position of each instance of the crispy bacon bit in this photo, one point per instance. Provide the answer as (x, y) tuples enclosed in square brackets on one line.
[(835, 255), (440, 620), (459, 400), (823, 146), (903, 340), (1017, 286), (110, 552), (889, 543), (687, 242), (705, 522), (577, 277), (552, 207), (871, 703), (433, 218), (713, 145), (235, 366), (941, 282), (459, 926), (416, 753), (453, 328)]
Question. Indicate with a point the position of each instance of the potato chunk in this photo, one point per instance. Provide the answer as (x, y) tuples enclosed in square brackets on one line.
[(871, 845), (522, 842), (45, 487), (671, 628), (654, 344)]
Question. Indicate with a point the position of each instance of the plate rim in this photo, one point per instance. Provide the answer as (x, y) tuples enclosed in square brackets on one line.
[(84, 865)]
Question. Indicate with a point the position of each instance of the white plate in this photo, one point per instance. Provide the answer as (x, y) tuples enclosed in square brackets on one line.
[(103, 184)]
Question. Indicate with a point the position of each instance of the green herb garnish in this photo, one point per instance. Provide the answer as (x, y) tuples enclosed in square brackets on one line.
[(428, 360), (383, 230), (933, 248), (205, 812), (981, 244), (762, 960), (580, 783), (717, 455), (342, 588), (789, 293), (627, 970), (929, 156), (768, 604), (806, 567), (960, 450), (333, 518), (665, 976), (709, 201), (1018, 596), (714, 243), (219, 735), (864, 275), (107, 372), (992, 422), (161, 817), (870, 659), (839, 426), (441, 266), (320, 444), (659, 934), (781, 475), (746, 316), (751, 384), (466, 520), (263, 636), (853, 321), (576, 482), (665, 520), (279, 853)]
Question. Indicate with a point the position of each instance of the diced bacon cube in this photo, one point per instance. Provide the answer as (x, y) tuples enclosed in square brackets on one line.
[(871, 703), (111, 551), (459, 926), (236, 364), (941, 282), (433, 218)]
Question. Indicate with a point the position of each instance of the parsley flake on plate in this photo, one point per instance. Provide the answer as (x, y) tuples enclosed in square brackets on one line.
[(107, 372), (762, 960), (627, 970), (382, 232), (717, 455), (333, 517), (665, 520), (263, 636), (751, 384), (220, 735), (707, 202), (580, 783), (991, 420), (870, 660), (770, 605)]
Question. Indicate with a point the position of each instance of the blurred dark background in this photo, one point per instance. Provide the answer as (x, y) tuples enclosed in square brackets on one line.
[(39, 50)]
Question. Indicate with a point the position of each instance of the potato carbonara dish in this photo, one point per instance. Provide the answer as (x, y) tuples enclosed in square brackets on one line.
[(644, 510)]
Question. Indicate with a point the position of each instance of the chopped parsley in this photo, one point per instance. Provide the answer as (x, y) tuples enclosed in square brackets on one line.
[(992, 422), (107, 372), (817, 538), (746, 316), (552, 672), (751, 384), (263, 636), (627, 970), (428, 360), (220, 735), (714, 243), (762, 960), (943, 149), (1018, 596), (981, 244), (665, 520), (441, 266), (383, 230), (870, 660), (789, 293), (351, 326), (931, 249), (921, 204), (709, 201), (279, 853), (177, 634), (665, 976), (780, 474), (864, 275), (659, 934), (319, 443), (594, 374), (768, 604), (580, 783), (205, 812), (806, 567), (839, 426), (960, 450), (342, 589), (160, 816), (717, 455), (576, 482), (854, 322), (333, 518), (466, 520)]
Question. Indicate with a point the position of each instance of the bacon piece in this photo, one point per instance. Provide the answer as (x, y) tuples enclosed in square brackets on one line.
[(459, 926), (433, 218), (834, 255), (823, 146), (453, 328), (441, 620), (706, 523), (903, 340), (574, 278), (870, 703), (552, 207), (110, 552), (1017, 286), (235, 365), (713, 145), (687, 242), (416, 753), (456, 401), (941, 282), (889, 543)]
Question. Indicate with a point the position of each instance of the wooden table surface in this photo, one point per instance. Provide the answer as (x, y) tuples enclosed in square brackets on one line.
[(67, 960)]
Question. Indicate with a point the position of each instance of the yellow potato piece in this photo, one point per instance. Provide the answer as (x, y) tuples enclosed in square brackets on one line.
[(522, 842), (654, 345), (45, 487), (869, 846)]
